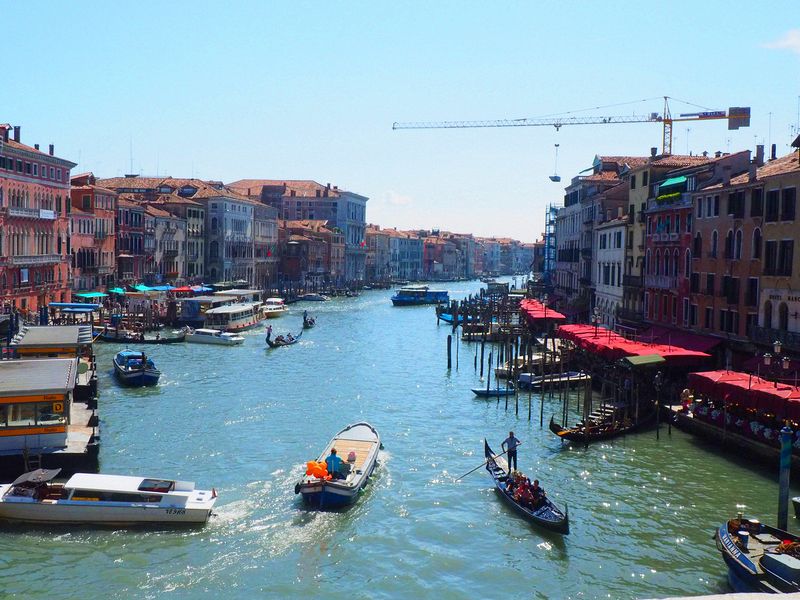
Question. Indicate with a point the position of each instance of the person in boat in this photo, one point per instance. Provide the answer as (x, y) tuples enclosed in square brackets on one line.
[(334, 464), (510, 446), (537, 494)]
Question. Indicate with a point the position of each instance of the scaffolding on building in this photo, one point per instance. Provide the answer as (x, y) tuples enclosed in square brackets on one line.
[(550, 243)]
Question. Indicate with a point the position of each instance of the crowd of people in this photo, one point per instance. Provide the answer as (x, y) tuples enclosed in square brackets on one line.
[(530, 495)]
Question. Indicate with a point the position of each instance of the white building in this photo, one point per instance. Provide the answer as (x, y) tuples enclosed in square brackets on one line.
[(608, 267)]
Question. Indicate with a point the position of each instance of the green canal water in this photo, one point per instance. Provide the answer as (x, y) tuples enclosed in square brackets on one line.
[(246, 419)]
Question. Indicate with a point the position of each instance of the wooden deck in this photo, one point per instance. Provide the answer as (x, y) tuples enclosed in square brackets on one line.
[(362, 450)]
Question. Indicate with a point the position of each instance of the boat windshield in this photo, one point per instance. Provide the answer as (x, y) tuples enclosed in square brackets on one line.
[(156, 485)]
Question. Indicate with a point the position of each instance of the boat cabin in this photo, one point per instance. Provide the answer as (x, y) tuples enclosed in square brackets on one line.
[(242, 295), (193, 309), (233, 317), (35, 402)]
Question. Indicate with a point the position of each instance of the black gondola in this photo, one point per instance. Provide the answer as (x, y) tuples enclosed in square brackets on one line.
[(547, 515), (308, 322), (601, 430), (281, 340)]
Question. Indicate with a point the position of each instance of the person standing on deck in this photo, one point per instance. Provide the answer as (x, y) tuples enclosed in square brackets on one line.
[(510, 445)]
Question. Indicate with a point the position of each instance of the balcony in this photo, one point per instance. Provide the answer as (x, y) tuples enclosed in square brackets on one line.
[(31, 213), (663, 282), (100, 235), (766, 336), (105, 269), (631, 316), (632, 281), (35, 260)]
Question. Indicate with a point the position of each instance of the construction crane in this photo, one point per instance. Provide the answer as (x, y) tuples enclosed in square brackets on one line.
[(737, 116)]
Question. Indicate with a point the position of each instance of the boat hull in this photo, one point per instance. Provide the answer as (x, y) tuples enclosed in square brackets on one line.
[(492, 393), (137, 379), (217, 341), (416, 302), (76, 512)]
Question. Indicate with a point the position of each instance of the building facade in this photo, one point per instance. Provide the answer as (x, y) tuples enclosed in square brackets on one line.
[(101, 205), (35, 251)]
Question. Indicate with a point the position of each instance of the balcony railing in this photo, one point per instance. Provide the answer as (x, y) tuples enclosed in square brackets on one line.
[(664, 282), (766, 336), (31, 213), (35, 259), (632, 281)]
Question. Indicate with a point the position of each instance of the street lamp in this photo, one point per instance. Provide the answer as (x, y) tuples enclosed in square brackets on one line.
[(596, 319), (544, 303)]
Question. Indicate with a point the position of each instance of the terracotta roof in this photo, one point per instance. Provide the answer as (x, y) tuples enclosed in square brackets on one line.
[(116, 183), (127, 202), (156, 212), (79, 213), (20, 146), (632, 161), (205, 189), (773, 168), (174, 199), (310, 224), (302, 187), (602, 176), (679, 161)]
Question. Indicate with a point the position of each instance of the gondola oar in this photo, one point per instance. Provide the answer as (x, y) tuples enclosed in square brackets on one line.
[(482, 464)]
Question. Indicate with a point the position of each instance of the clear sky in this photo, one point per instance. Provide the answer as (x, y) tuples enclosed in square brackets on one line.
[(309, 90)]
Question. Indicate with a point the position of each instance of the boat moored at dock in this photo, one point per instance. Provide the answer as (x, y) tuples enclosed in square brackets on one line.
[(88, 498), (419, 295), (133, 368), (759, 558), (358, 446), (235, 317)]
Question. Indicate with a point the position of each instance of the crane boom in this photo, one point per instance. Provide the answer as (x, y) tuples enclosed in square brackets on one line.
[(736, 117), (557, 122)]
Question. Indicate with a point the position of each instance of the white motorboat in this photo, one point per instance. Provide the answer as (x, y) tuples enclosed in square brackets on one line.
[(213, 336), (273, 308), (89, 498), (313, 297)]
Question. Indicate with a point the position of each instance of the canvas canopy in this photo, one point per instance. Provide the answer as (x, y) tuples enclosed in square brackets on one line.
[(749, 391), (536, 311)]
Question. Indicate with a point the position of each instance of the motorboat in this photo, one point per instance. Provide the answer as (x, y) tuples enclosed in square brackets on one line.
[(357, 445), (133, 368), (89, 498), (235, 317), (213, 336), (313, 297), (274, 308), (418, 295)]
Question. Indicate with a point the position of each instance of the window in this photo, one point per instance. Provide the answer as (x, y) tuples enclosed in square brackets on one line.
[(36, 170), (698, 245), (714, 240), (768, 314), (699, 208), (716, 205), (685, 311), (688, 222), (644, 178), (736, 204), (633, 182), (687, 263), (770, 258), (693, 315), (785, 251), (772, 205), (710, 284), (788, 204), (737, 245), (709, 206), (694, 285), (756, 250), (709, 316), (729, 244), (674, 309), (752, 291), (757, 203), (783, 317)]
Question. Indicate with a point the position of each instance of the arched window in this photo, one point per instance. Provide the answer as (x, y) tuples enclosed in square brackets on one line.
[(729, 244), (756, 250), (768, 314), (213, 249), (737, 245), (676, 261), (698, 245), (783, 317), (648, 264), (687, 264), (213, 223), (714, 240), (657, 265)]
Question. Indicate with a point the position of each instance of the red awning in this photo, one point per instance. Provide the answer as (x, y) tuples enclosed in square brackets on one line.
[(612, 346), (185, 288), (749, 391), (536, 311)]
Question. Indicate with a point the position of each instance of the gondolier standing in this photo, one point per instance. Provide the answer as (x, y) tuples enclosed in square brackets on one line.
[(510, 446)]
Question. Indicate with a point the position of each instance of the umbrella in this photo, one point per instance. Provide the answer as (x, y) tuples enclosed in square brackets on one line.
[(91, 295), (141, 288), (185, 288), (116, 290), (201, 288)]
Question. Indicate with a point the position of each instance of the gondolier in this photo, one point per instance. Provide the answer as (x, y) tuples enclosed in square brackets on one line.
[(509, 445)]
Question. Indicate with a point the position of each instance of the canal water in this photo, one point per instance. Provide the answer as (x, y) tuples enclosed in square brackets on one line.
[(246, 419)]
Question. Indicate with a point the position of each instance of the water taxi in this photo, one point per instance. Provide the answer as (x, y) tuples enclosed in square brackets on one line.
[(90, 498), (357, 445), (416, 295), (134, 369), (235, 317), (213, 336), (274, 307)]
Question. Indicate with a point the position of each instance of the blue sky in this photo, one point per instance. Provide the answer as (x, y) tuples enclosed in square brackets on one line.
[(309, 90)]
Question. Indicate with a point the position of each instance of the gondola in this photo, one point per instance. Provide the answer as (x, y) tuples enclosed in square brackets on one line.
[(281, 340), (547, 515), (601, 430), (132, 339), (308, 322)]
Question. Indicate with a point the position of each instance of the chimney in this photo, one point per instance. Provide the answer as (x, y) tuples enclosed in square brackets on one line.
[(773, 152), (36, 146), (16, 133), (328, 185), (5, 134), (726, 175), (619, 212), (52, 149), (705, 153), (718, 153), (653, 151), (760, 155)]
